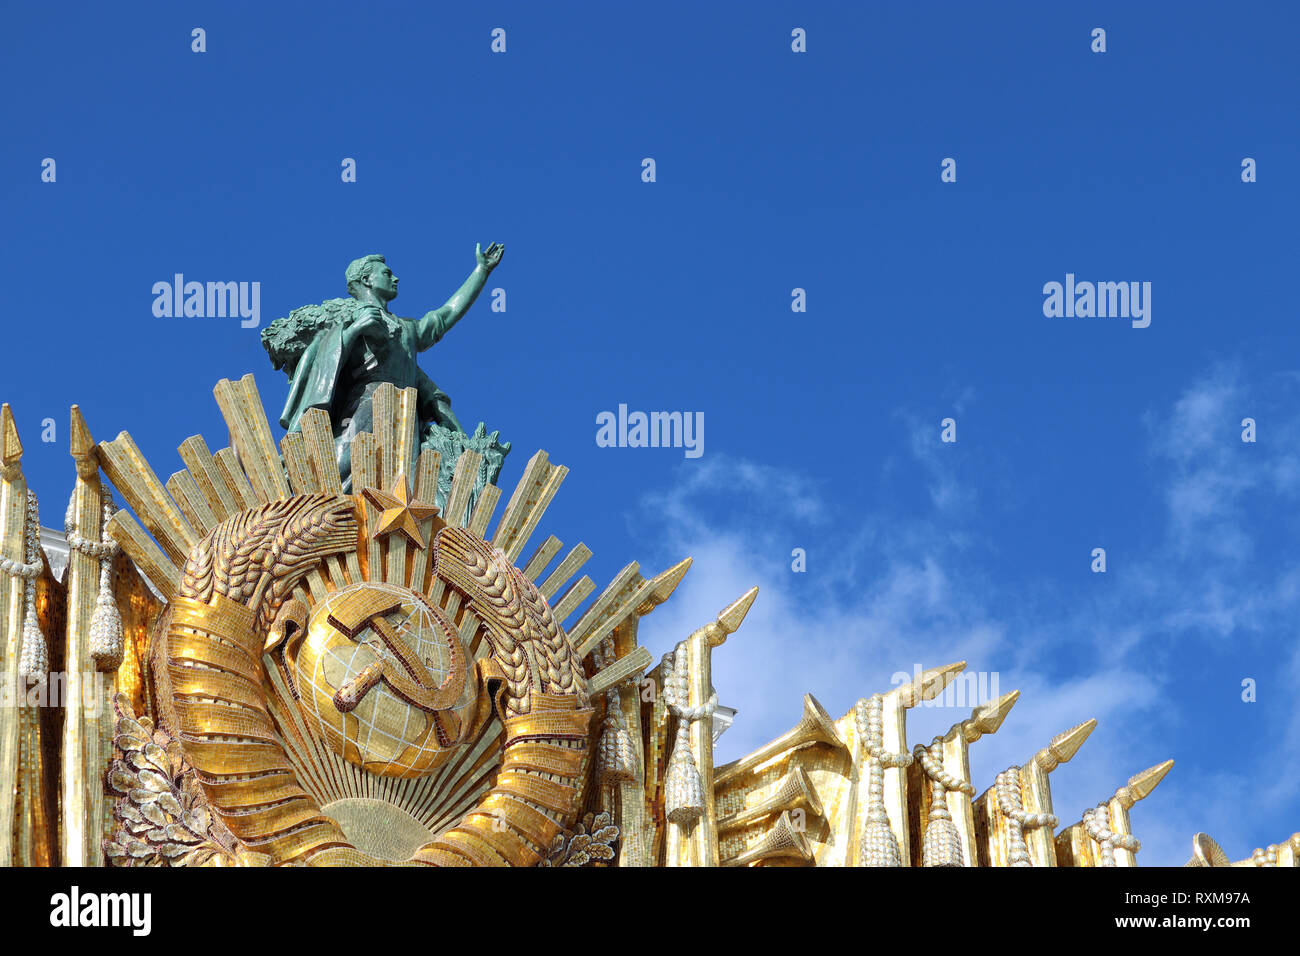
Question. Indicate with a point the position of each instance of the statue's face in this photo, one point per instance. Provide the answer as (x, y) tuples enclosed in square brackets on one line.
[(382, 281)]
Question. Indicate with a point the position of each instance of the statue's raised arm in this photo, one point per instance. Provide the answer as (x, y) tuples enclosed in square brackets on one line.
[(435, 324)]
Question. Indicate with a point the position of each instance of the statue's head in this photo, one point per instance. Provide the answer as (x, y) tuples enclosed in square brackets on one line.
[(370, 272)]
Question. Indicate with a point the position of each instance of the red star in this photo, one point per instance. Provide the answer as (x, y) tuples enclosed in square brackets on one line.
[(401, 514)]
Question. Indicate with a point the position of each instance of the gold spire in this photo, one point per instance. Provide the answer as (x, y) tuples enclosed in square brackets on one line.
[(929, 685), (663, 585), (11, 447), (987, 718), (1064, 746), (1140, 785), (730, 618), (81, 445)]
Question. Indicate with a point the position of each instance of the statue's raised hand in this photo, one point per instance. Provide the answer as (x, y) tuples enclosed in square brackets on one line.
[(490, 259)]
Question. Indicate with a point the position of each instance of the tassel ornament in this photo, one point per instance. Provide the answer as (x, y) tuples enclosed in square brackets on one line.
[(684, 801), (106, 636), (616, 758), (34, 655), (878, 846), (942, 842)]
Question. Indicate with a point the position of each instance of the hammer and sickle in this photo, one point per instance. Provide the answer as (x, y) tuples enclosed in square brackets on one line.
[(408, 678)]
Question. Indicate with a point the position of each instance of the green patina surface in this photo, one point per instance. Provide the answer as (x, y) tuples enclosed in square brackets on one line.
[(338, 353)]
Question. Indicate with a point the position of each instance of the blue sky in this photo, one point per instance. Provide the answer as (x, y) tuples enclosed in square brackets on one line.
[(775, 170)]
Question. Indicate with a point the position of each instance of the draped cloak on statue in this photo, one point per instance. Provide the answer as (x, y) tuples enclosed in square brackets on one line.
[(314, 380), (317, 381)]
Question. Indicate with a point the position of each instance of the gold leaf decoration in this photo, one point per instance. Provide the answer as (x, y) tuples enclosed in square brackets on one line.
[(162, 815), (589, 843)]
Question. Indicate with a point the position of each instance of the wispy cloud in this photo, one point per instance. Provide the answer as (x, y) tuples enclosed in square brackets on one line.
[(949, 492)]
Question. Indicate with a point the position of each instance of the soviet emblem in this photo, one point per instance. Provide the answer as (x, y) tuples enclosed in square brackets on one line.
[(382, 674)]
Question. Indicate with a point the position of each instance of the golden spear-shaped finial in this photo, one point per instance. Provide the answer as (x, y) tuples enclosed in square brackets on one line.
[(893, 740), (11, 446), (697, 844), (1077, 846), (1035, 794), (1036, 789), (1139, 787), (729, 619), (987, 718), (82, 446), (87, 733), (927, 686), (1064, 746), (663, 585), (984, 719)]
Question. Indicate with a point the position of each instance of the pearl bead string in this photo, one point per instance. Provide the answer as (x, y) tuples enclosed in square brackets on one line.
[(106, 637), (931, 762), (879, 846), (684, 798), (34, 653), (1018, 820), (677, 688), (942, 842), (1096, 822), (616, 759)]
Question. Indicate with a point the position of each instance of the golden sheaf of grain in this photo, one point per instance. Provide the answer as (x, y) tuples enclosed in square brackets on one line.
[(469, 565), (543, 628), (484, 577), (281, 538)]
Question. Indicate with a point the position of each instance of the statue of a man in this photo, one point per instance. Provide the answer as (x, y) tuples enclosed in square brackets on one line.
[(338, 353)]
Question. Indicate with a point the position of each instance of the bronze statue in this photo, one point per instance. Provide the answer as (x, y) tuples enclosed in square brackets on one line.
[(338, 353)]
